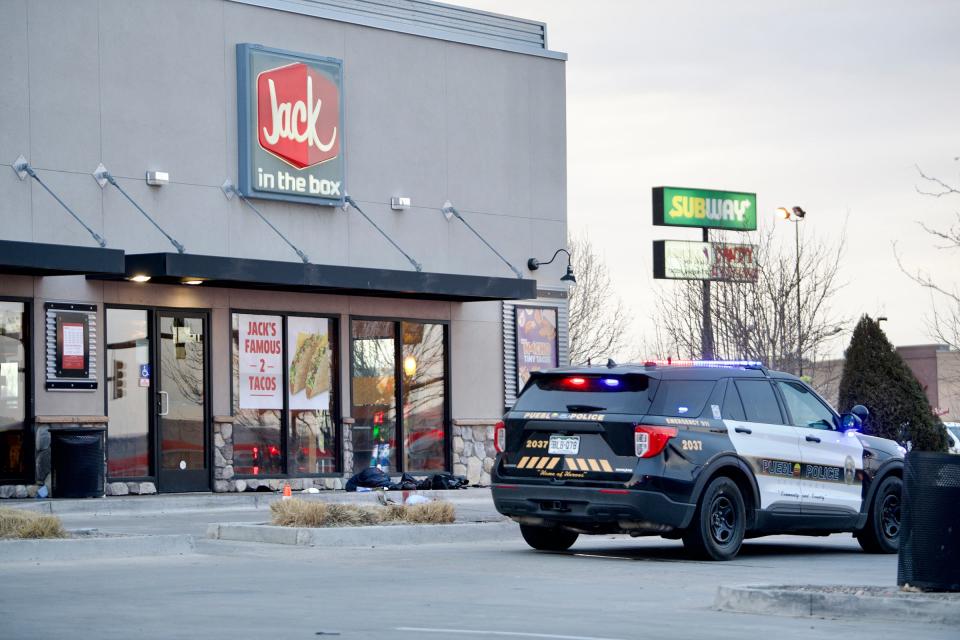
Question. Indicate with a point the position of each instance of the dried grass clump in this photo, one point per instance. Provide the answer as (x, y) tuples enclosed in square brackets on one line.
[(17, 523), (300, 513)]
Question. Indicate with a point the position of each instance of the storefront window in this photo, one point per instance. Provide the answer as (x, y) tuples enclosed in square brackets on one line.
[(423, 396), (310, 395), (284, 395), (128, 393), (374, 394), (419, 363), (257, 394), (14, 444)]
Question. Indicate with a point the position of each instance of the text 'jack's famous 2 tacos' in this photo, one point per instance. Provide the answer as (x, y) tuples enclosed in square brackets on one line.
[(310, 367)]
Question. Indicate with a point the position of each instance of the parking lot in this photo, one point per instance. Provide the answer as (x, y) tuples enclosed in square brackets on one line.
[(603, 589)]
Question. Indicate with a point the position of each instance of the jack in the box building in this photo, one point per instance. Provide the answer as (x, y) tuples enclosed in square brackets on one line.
[(246, 243)]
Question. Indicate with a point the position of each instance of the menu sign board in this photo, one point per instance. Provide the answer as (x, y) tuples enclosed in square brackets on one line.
[(260, 361), (537, 347), (704, 208), (311, 363), (679, 260), (290, 118), (72, 345)]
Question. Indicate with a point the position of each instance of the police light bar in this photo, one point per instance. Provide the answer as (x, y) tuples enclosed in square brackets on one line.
[(669, 362)]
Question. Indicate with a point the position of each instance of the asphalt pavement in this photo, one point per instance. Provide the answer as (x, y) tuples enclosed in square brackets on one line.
[(606, 588)]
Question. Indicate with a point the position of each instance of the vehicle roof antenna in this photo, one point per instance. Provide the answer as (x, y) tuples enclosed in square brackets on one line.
[(589, 363), (610, 363)]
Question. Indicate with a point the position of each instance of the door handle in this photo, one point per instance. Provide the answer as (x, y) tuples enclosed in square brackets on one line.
[(164, 406), (813, 439), (743, 430)]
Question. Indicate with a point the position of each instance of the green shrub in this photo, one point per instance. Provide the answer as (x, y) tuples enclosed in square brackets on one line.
[(875, 376)]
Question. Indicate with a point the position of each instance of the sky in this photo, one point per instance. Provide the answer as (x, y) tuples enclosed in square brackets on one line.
[(830, 106)]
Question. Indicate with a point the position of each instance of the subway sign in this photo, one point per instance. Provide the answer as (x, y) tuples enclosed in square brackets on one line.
[(704, 208), (680, 260), (290, 120)]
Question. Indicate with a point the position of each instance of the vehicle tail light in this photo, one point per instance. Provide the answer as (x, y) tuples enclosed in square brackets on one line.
[(500, 437), (649, 441)]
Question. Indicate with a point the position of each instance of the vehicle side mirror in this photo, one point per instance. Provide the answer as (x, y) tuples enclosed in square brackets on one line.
[(861, 412), (850, 422)]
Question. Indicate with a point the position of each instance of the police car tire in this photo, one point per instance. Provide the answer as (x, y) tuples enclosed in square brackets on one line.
[(875, 536), (721, 513), (548, 539)]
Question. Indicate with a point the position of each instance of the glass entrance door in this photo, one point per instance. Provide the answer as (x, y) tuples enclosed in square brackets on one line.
[(181, 406)]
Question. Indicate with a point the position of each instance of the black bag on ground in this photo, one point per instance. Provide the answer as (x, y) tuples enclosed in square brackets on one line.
[(371, 478), (443, 481)]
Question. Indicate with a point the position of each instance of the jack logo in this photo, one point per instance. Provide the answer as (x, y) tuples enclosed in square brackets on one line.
[(298, 115)]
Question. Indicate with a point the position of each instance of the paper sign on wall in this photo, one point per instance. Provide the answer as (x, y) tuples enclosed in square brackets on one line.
[(73, 346), (260, 354)]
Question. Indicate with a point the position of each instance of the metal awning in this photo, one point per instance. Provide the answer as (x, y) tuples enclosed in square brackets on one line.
[(41, 259), (273, 275)]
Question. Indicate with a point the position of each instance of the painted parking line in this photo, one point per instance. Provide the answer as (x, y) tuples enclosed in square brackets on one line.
[(511, 634)]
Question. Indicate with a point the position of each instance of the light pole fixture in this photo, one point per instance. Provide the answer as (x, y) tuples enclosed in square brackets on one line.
[(533, 264), (796, 214)]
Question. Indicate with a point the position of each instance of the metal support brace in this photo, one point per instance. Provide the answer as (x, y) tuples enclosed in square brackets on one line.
[(229, 190), (102, 176), (23, 169), (449, 210), (353, 203)]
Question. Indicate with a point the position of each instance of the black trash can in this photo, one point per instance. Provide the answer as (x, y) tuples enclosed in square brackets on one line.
[(77, 463), (930, 528)]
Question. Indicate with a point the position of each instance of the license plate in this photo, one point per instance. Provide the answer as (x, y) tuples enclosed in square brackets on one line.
[(560, 445)]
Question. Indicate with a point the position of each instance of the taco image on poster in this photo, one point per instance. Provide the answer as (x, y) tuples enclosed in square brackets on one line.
[(318, 380), (310, 367)]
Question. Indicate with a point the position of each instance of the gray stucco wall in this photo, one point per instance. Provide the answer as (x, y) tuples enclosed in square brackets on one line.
[(151, 85)]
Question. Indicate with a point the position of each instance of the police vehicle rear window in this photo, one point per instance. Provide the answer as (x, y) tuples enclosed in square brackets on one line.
[(586, 394), (681, 398)]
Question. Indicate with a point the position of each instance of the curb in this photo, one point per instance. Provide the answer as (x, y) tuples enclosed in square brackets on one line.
[(153, 504), (371, 536), (778, 600), (86, 549)]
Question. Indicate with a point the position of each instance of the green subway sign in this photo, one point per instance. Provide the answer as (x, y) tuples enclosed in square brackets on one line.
[(704, 208)]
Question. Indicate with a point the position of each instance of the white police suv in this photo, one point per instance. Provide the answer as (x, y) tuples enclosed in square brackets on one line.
[(710, 452)]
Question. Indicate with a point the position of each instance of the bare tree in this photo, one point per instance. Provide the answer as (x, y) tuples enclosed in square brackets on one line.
[(598, 317), (758, 320), (944, 323)]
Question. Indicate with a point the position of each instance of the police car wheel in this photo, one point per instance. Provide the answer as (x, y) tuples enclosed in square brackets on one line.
[(719, 523), (882, 531), (548, 539)]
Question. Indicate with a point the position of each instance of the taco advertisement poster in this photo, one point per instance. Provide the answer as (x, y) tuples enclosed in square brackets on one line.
[(260, 360), (536, 341), (308, 346)]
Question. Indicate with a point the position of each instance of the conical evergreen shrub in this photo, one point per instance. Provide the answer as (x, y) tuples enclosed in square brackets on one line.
[(875, 376)]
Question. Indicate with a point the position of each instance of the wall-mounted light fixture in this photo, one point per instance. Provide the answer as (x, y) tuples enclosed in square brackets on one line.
[(399, 203), (157, 178), (533, 264)]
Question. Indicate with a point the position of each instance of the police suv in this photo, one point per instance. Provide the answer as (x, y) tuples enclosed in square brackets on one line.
[(710, 452)]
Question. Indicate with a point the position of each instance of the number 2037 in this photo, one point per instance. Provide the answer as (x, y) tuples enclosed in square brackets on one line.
[(691, 445)]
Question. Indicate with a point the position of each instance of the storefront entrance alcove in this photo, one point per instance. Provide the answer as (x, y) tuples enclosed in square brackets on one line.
[(157, 391)]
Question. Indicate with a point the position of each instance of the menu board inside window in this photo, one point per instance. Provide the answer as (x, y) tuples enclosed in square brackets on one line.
[(537, 347), (71, 346)]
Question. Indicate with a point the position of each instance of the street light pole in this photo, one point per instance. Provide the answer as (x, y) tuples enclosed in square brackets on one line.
[(706, 335), (796, 215)]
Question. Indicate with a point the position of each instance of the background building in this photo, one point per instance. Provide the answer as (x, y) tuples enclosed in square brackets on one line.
[(237, 365)]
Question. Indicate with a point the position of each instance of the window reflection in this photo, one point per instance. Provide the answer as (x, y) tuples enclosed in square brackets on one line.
[(128, 395), (374, 411), (423, 396), (13, 390)]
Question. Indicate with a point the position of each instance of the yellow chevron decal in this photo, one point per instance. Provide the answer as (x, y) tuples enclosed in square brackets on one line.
[(571, 464), (543, 463), (533, 462), (583, 464), (606, 466), (523, 462), (553, 463), (593, 465)]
